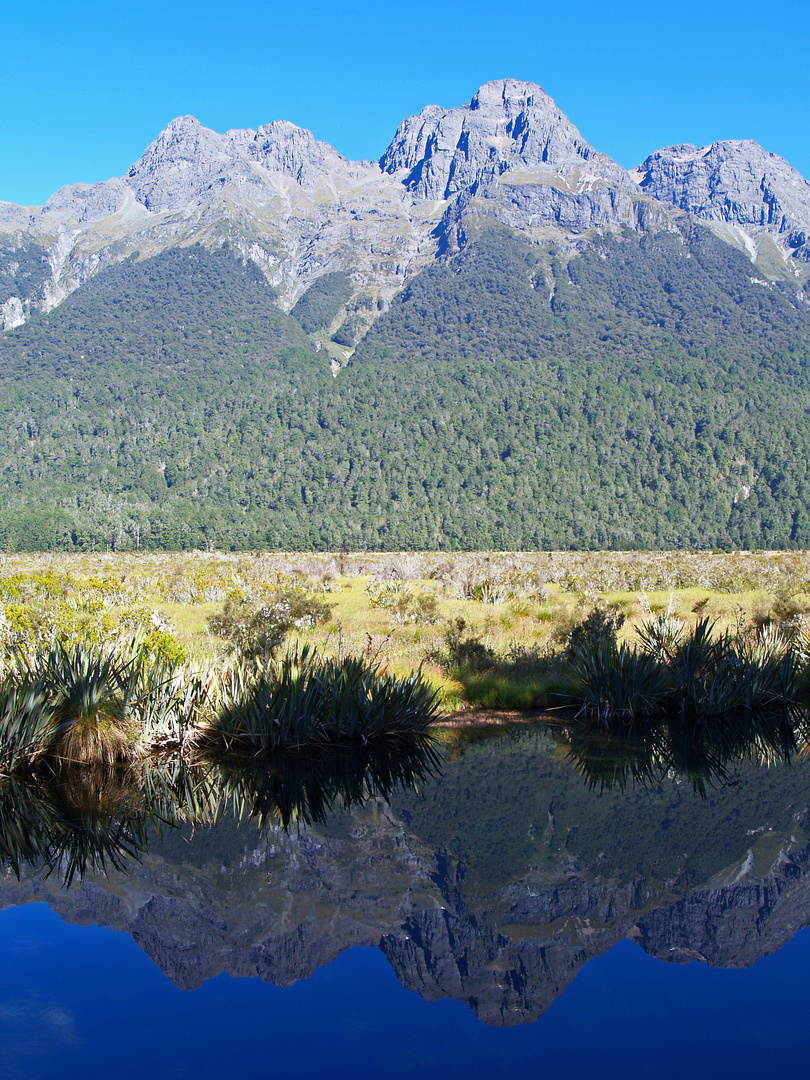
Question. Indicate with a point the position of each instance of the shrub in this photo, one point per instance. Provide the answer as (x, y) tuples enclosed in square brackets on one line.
[(602, 624), (162, 647), (465, 650), (254, 630), (300, 700), (396, 596)]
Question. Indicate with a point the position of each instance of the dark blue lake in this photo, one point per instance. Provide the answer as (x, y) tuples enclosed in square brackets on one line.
[(505, 920)]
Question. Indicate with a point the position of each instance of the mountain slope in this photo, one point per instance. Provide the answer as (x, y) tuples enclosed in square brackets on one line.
[(532, 347), (647, 393), (107, 400)]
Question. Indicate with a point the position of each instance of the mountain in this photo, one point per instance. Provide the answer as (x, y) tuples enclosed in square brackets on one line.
[(493, 337), (736, 182), (299, 209)]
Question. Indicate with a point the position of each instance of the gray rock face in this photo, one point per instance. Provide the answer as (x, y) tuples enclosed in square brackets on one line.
[(87, 203), (507, 125), (188, 162), (731, 926), (737, 182), (300, 209), (12, 313)]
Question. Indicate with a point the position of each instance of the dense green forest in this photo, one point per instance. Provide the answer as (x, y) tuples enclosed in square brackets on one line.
[(322, 301), (647, 392), (23, 271)]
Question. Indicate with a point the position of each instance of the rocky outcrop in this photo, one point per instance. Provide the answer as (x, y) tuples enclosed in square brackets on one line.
[(187, 162), (507, 126), (735, 182), (12, 313)]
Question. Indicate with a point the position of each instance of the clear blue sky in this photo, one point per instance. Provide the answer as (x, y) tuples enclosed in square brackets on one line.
[(85, 87)]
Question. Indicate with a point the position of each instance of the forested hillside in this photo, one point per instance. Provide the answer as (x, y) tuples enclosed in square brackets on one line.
[(646, 393)]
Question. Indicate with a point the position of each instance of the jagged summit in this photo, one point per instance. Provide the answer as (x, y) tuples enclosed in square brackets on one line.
[(300, 209), (734, 181), (187, 159), (507, 124)]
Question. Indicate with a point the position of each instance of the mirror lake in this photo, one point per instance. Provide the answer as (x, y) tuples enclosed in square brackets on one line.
[(521, 909)]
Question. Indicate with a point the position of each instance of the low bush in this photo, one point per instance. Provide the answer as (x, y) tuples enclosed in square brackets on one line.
[(405, 605), (464, 647), (259, 629), (601, 624)]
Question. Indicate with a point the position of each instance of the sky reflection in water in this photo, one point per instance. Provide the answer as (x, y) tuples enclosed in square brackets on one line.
[(85, 1001)]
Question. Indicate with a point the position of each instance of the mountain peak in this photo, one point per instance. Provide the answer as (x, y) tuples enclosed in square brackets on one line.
[(300, 209), (509, 92), (187, 160), (734, 181), (182, 125), (507, 123)]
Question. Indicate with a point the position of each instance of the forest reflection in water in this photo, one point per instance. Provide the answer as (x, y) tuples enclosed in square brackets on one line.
[(71, 820)]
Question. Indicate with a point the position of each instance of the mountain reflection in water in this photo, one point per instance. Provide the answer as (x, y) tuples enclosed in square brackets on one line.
[(493, 882)]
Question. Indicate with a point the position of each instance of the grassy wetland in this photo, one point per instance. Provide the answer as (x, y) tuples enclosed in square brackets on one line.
[(487, 630)]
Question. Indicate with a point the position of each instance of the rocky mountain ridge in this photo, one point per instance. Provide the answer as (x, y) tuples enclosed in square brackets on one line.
[(300, 209), (737, 183)]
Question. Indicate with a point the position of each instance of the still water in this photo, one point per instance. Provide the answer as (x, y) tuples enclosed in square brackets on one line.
[(512, 917)]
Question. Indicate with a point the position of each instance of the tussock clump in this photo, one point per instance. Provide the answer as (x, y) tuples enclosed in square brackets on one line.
[(695, 676), (613, 682), (300, 700), (89, 698)]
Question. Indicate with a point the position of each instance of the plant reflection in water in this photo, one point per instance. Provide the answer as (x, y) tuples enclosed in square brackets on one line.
[(704, 753), (72, 819)]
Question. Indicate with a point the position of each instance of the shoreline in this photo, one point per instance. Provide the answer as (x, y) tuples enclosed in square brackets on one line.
[(476, 718)]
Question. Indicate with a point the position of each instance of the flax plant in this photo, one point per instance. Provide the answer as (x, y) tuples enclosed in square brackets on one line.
[(25, 722), (89, 695), (299, 701)]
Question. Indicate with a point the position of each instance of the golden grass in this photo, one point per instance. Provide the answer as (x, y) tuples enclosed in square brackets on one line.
[(537, 595)]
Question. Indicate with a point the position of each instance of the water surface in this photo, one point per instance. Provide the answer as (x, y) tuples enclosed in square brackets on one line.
[(505, 919)]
